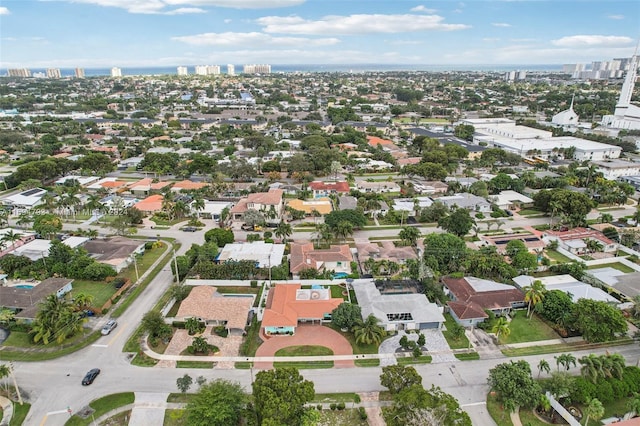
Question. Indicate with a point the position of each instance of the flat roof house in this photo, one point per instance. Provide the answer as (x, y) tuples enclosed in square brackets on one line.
[(289, 304), (471, 296), (575, 240), (321, 205), (567, 284), (25, 199), (398, 311), (467, 201), (265, 255)]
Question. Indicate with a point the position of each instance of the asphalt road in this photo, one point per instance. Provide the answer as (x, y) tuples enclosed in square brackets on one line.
[(53, 386)]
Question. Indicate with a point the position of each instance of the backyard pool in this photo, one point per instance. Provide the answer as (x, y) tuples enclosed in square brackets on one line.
[(27, 286), (339, 275)]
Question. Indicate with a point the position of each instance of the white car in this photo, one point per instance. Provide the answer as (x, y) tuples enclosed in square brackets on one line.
[(110, 325)]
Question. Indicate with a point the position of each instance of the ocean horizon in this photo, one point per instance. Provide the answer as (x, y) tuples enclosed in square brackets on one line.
[(311, 68)]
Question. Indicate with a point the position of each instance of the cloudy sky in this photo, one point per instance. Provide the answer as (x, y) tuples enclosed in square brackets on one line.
[(126, 33)]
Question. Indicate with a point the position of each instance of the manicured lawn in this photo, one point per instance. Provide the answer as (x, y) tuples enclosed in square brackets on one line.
[(530, 212), (194, 364), (142, 360), (424, 359), (615, 265), (348, 417), (462, 342), (19, 339), (251, 340), (367, 362), (564, 347), (173, 417), (471, 356), (304, 365), (307, 350), (183, 398), (238, 290), (19, 413), (51, 351), (103, 405), (144, 263), (557, 256), (525, 329), (357, 347), (165, 222), (498, 414), (335, 397), (100, 290)]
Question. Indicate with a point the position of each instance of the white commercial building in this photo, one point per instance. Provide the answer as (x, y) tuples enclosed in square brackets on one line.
[(207, 69), (614, 169), (231, 69), (182, 71), (116, 72)]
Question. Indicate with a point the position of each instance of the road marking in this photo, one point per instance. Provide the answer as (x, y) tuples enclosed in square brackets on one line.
[(116, 336), (100, 346), (473, 404), (44, 420), (57, 412)]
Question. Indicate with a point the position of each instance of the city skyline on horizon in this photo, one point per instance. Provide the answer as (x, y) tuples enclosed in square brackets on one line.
[(162, 33)]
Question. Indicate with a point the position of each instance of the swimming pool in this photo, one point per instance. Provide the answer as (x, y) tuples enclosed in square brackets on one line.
[(339, 275), (27, 286)]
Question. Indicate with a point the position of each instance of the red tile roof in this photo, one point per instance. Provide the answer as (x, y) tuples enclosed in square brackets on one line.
[(283, 310), (465, 311), (304, 256), (318, 185), (581, 234), (375, 141), (188, 185), (491, 299), (152, 203)]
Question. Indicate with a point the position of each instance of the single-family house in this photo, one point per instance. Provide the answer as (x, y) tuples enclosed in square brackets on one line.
[(39, 248), (211, 209), (110, 184), (397, 311), (324, 189), (431, 187), (377, 187), (347, 202), (532, 242), (270, 203), (147, 186), (187, 185), (216, 309), (26, 199), (265, 255), (471, 296), (467, 201), (509, 200), (289, 304), (576, 240), (336, 258), (323, 206), (567, 284), (25, 301), (151, 204), (385, 250), (118, 252)]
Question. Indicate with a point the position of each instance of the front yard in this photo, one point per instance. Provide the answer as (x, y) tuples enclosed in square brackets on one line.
[(525, 329), (100, 290), (454, 342)]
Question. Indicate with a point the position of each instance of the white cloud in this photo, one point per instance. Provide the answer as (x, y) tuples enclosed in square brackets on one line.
[(404, 42), (227, 21), (616, 17), (4, 11), (423, 9), (252, 39), (592, 40), (357, 24), (191, 6), (491, 39), (501, 24)]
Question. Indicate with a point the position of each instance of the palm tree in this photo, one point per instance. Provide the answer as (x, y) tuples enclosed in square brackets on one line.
[(4, 372), (200, 344), (368, 331), (83, 301), (409, 235), (501, 327), (11, 237), (180, 209), (633, 404), (372, 266), (606, 218), (543, 365), (594, 246), (344, 229), (636, 216), (4, 217), (534, 294), (592, 367), (92, 234), (594, 410), (24, 220), (56, 319), (566, 360), (283, 231)]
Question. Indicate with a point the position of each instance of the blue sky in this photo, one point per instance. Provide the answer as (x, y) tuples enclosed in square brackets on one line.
[(126, 33)]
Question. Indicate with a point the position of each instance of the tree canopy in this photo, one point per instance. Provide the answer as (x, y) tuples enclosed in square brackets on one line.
[(280, 396), (514, 385), (217, 403)]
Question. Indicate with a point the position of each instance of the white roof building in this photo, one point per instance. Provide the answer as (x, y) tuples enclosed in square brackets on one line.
[(26, 199), (408, 204), (566, 118), (266, 255), (37, 249), (82, 180), (506, 199), (566, 283)]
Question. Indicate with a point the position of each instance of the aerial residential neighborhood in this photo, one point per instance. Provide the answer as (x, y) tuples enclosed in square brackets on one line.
[(211, 246)]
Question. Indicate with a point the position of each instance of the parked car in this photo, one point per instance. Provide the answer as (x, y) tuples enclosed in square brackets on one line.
[(90, 376), (110, 325), (189, 229)]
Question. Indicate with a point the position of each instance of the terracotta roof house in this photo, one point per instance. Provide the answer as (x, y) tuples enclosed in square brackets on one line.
[(25, 301), (147, 186), (472, 296), (386, 250), (187, 185), (575, 240), (216, 309), (151, 204), (288, 304), (324, 189), (375, 141), (321, 205), (336, 258), (398, 311), (260, 201)]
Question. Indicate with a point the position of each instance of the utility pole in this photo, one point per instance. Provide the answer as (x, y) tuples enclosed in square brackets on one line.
[(135, 265), (175, 264), (15, 382)]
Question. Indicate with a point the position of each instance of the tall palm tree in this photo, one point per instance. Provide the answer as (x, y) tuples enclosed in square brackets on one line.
[(83, 301), (25, 219), (368, 331), (566, 360), (4, 217), (283, 231), (501, 328), (198, 205), (93, 203), (534, 294), (592, 367), (594, 410), (343, 230), (543, 365), (11, 237)]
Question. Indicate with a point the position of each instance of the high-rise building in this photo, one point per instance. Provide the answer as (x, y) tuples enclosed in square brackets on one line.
[(207, 69), (231, 69), (116, 72), (626, 114), (257, 69), (19, 72), (53, 73), (79, 72), (183, 71)]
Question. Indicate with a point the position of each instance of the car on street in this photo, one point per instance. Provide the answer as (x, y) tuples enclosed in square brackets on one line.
[(90, 376), (189, 229), (110, 325)]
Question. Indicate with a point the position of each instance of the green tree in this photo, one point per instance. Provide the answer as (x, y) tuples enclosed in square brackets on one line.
[(219, 236), (514, 385), (444, 252), (184, 383), (253, 217), (534, 294), (192, 325), (283, 231), (153, 323), (566, 360), (415, 406), (280, 396), (346, 315), (55, 320), (409, 236), (200, 345), (459, 222), (543, 365), (398, 377), (368, 331), (10, 237), (591, 367), (598, 321), (218, 403), (594, 410), (501, 328), (355, 217), (47, 225)]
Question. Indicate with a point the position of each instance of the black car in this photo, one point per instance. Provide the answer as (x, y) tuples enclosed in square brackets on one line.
[(90, 376), (189, 229)]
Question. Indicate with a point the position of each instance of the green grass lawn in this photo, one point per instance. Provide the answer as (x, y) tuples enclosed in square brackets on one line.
[(557, 256), (144, 263), (423, 359), (19, 413), (530, 212), (497, 412), (462, 342), (238, 290), (174, 417), (194, 364), (615, 265), (19, 339), (471, 356), (347, 417), (367, 362), (103, 405), (358, 348), (252, 339), (307, 350), (165, 222), (100, 290), (564, 347), (304, 365), (525, 329)]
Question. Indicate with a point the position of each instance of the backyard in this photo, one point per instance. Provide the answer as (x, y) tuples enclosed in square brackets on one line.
[(557, 256), (615, 265), (100, 290)]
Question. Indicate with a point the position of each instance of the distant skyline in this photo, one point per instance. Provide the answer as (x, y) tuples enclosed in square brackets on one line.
[(147, 33)]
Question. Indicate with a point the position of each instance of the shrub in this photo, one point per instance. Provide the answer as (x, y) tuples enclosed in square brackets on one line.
[(341, 405), (254, 283), (333, 406), (417, 352), (319, 407), (221, 331), (178, 324), (356, 398), (362, 413), (148, 245)]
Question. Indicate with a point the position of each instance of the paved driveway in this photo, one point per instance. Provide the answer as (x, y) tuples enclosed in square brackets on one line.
[(435, 343), (316, 335)]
